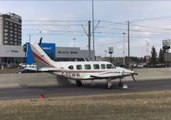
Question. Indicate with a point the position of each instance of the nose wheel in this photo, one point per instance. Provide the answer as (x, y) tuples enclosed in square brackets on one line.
[(120, 84), (79, 83)]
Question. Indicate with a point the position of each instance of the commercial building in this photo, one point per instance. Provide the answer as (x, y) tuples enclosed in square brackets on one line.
[(10, 29), (11, 51), (59, 53), (11, 55)]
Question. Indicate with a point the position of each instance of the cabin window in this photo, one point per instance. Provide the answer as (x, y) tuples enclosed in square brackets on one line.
[(110, 66), (96, 66), (103, 66), (79, 67), (71, 67), (87, 67)]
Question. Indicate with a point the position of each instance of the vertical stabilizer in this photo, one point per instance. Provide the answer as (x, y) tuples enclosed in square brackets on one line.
[(41, 58)]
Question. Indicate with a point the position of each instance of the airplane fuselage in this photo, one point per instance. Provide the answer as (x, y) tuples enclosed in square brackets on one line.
[(88, 69)]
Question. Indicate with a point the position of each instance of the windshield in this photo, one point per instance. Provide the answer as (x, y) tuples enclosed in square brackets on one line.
[(110, 66)]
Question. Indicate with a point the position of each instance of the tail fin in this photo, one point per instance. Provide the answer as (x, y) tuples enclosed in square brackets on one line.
[(41, 58)]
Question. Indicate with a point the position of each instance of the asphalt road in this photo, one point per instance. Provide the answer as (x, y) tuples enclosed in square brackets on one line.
[(87, 89)]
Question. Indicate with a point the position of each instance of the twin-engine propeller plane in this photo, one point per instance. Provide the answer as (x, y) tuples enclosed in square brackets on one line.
[(79, 71)]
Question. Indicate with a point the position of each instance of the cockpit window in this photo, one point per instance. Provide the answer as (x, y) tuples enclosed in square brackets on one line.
[(71, 67), (110, 66), (79, 67), (87, 67)]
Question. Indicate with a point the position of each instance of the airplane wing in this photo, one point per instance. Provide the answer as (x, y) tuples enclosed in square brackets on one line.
[(48, 69), (112, 75)]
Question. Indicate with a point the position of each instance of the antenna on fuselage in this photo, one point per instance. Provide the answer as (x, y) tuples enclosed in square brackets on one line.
[(40, 41)]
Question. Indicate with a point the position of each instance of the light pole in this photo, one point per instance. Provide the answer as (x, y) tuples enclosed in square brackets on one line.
[(74, 41), (29, 37), (105, 53), (124, 47), (129, 45)]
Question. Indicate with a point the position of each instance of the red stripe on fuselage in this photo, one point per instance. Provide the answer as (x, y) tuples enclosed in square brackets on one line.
[(40, 59)]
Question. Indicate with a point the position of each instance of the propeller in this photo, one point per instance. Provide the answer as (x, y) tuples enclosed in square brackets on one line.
[(133, 78), (132, 68), (40, 41)]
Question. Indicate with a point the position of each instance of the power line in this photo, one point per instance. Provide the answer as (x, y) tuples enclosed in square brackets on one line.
[(66, 0), (151, 19), (52, 34), (151, 27), (51, 25), (111, 22), (69, 21)]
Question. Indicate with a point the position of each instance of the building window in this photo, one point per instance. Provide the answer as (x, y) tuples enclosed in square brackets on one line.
[(6, 26), (96, 66), (6, 38), (6, 34), (79, 67), (5, 41), (6, 30), (87, 67)]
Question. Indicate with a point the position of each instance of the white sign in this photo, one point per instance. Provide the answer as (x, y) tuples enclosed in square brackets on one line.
[(166, 42)]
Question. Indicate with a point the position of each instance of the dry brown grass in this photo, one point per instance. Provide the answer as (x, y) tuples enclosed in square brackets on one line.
[(9, 71), (131, 106)]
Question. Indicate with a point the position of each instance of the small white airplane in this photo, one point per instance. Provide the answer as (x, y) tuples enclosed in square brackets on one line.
[(79, 71)]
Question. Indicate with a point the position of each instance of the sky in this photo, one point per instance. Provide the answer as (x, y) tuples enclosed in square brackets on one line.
[(65, 22)]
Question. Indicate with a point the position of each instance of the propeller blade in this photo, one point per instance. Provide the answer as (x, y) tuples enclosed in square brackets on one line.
[(133, 78), (132, 68)]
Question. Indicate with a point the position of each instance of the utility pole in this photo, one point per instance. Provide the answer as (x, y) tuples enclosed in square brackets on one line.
[(89, 39), (123, 48), (93, 29), (128, 44)]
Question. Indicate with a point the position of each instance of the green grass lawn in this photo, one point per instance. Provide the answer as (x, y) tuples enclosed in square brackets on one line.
[(135, 106)]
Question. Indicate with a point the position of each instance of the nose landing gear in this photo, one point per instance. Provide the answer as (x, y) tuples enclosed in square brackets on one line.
[(79, 83)]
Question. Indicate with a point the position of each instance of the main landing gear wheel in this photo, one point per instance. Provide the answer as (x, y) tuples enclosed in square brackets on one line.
[(79, 83), (109, 84)]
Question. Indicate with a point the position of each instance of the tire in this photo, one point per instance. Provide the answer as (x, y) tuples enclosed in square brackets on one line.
[(79, 83)]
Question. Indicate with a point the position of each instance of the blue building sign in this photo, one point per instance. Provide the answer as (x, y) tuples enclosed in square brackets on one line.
[(49, 48)]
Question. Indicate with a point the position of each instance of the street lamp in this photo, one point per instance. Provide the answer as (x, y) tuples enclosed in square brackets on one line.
[(74, 41)]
